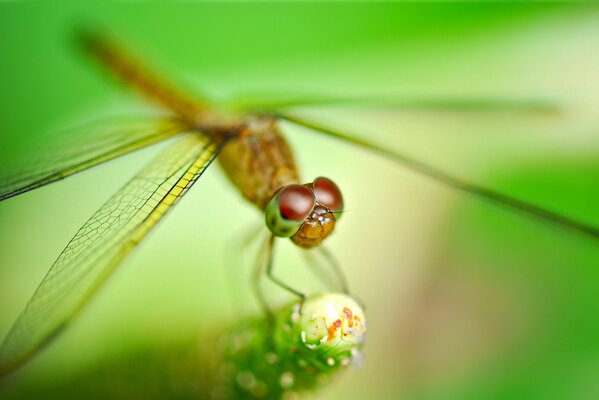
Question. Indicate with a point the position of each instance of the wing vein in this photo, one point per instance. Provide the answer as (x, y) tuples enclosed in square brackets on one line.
[(102, 243), (78, 153)]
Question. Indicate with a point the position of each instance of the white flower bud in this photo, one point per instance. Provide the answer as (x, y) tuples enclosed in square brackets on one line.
[(333, 321)]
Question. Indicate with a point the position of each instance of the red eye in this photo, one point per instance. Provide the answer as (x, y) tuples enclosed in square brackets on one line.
[(328, 194), (295, 202)]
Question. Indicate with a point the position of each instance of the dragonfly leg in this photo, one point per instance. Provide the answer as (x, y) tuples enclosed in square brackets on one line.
[(335, 268), (234, 257), (326, 269), (256, 280), (274, 279)]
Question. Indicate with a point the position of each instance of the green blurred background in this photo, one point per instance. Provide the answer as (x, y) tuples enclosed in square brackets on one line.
[(464, 299)]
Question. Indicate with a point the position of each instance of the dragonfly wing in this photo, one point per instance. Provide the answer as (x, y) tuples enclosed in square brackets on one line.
[(449, 180), (102, 243), (60, 155), (524, 105)]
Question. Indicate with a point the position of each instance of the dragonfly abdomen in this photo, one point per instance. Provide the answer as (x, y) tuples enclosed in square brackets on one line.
[(135, 74)]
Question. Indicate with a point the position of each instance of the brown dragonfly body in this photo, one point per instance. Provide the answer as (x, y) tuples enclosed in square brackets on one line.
[(255, 157)]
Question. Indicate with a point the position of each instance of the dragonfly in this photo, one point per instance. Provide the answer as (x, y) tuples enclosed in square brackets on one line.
[(249, 145)]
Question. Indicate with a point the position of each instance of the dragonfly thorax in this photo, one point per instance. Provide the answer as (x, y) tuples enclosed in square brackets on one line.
[(258, 160), (260, 124), (260, 163)]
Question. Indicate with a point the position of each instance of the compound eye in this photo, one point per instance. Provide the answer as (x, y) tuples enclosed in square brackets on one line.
[(288, 209), (328, 194), (295, 202)]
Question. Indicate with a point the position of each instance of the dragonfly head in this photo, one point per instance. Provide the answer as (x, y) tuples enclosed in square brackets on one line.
[(305, 213)]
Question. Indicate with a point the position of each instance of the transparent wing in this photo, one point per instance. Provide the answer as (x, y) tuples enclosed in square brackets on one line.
[(438, 175), (102, 243), (57, 156), (257, 103)]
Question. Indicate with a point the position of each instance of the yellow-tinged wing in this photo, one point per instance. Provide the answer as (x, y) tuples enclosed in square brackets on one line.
[(102, 243), (49, 159), (264, 103)]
